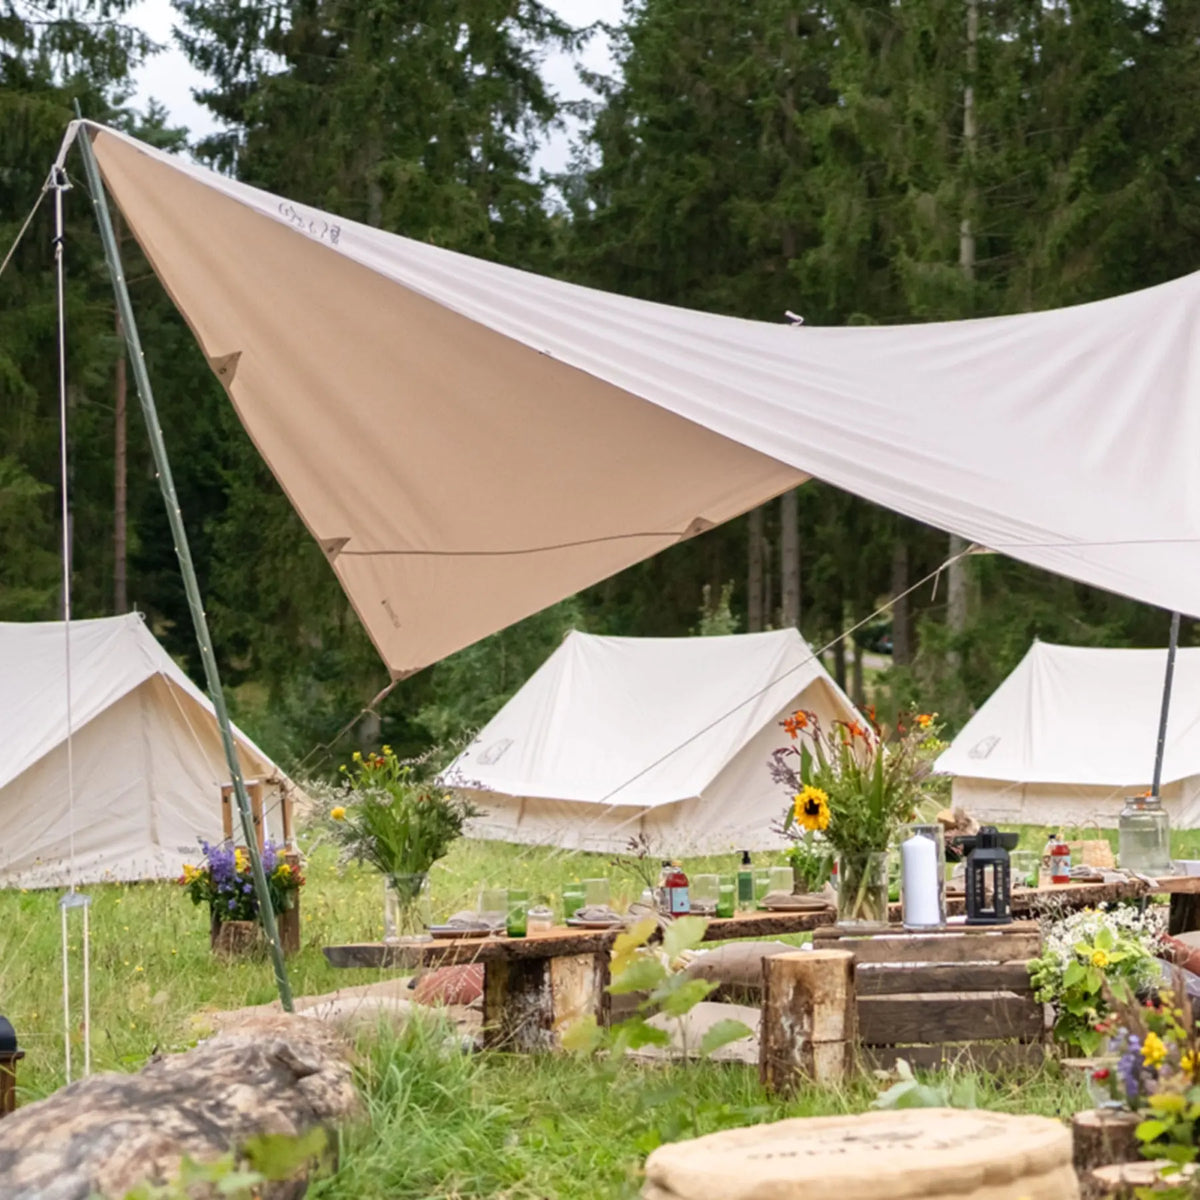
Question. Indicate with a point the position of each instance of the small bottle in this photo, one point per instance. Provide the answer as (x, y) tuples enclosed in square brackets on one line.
[(745, 883), (1060, 861), (675, 884)]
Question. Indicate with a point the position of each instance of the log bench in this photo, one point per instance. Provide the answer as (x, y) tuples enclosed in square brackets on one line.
[(931, 998)]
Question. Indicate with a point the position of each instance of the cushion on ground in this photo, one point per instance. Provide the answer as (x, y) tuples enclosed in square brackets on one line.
[(736, 968), (450, 985)]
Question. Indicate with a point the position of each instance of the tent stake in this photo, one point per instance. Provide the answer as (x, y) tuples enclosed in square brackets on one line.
[(183, 552), (1166, 705)]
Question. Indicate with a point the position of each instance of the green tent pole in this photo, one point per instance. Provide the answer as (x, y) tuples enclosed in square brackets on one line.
[(175, 517)]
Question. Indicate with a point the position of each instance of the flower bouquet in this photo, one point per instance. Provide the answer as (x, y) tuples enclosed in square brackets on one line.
[(400, 824), (855, 789), (1156, 1048), (1086, 958), (224, 881)]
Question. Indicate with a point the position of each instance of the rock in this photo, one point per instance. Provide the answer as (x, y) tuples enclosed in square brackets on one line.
[(104, 1135), (354, 1010), (688, 1031)]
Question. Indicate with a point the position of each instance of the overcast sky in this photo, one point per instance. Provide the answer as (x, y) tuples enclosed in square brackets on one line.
[(171, 79)]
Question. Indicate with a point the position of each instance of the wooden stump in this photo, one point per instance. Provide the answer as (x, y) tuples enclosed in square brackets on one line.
[(1122, 1181), (235, 939), (808, 1023), (529, 1002), (1104, 1136)]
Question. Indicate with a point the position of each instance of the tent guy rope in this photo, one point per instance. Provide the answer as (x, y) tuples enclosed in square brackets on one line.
[(60, 184), (184, 555)]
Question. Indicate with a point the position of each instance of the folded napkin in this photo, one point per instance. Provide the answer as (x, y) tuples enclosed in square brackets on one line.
[(597, 913)]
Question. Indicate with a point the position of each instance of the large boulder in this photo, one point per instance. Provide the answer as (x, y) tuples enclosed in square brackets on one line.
[(104, 1135)]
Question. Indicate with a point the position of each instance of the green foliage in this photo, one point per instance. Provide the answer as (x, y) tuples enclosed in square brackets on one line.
[(955, 1091), (637, 967), (384, 814), (1086, 958)]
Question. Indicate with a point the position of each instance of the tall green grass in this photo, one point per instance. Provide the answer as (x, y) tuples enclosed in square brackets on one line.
[(154, 978), (443, 1125)]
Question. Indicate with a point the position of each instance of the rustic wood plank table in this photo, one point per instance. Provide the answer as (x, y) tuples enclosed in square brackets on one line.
[(534, 987)]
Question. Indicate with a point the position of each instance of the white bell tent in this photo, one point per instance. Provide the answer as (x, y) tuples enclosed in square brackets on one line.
[(613, 737), (148, 762), (1072, 731)]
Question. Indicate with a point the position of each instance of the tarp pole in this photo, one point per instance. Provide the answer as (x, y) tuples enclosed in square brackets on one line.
[(1160, 749), (183, 552)]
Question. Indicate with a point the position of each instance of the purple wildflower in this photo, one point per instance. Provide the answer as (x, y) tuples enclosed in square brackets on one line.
[(1129, 1068)]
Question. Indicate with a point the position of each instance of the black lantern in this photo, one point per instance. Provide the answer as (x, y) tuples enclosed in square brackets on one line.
[(989, 881)]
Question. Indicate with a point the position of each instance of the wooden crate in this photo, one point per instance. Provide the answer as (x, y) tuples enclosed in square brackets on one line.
[(933, 998)]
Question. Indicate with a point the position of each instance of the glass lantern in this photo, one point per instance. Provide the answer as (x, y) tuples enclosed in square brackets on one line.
[(989, 881), (1145, 836)]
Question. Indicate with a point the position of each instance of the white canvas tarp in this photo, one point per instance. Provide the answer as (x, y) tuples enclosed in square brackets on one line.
[(613, 737), (147, 757), (469, 443), (1072, 732)]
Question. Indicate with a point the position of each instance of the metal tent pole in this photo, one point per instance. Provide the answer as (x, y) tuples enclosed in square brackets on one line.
[(1166, 705), (183, 552)]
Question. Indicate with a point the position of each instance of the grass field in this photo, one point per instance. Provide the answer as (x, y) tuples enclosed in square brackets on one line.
[(442, 1124)]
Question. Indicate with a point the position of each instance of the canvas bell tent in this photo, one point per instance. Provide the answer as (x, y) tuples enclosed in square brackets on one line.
[(147, 758), (1072, 731), (613, 737)]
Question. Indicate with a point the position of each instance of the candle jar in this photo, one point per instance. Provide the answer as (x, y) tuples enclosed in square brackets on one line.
[(922, 876)]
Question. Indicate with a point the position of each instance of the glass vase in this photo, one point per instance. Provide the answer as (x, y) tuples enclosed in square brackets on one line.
[(406, 912), (863, 890)]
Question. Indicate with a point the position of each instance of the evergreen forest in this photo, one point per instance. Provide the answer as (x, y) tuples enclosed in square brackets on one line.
[(854, 161)]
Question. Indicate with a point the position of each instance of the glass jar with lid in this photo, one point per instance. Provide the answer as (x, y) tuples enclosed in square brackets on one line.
[(1145, 836)]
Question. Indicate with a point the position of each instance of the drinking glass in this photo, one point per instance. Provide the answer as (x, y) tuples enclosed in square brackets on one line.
[(762, 883), (493, 906), (595, 893), (727, 896), (518, 905), (706, 891), (781, 880), (572, 900)]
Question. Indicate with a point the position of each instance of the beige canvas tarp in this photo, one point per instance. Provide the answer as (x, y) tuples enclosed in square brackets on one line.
[(469, 443)]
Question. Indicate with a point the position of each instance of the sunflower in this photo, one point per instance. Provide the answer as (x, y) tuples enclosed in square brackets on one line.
[(811, 808)]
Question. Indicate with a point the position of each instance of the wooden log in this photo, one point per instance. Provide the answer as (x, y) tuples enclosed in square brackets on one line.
[(529, 1003), (1183, 914), (1103, 1136), (1124, 1181), (887, 979), (808, 1022), (1018, 943), (8, 1080), (993, 1057), (953, 1017)]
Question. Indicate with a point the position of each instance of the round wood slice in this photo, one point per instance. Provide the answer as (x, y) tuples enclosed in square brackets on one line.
[(947, 1154)]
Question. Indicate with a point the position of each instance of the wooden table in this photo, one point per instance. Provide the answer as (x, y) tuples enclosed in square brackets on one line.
[(535, 987)]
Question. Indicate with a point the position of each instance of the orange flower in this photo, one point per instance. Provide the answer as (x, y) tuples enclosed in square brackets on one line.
[(854, 729), (924, 720), (793, 724)]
